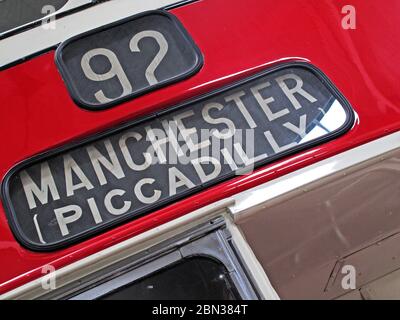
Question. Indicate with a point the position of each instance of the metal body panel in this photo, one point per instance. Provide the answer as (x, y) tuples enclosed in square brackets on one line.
[(37, 113), (330, 223)]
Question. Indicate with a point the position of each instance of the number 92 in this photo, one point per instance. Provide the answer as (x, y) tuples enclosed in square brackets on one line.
[(116, 69)]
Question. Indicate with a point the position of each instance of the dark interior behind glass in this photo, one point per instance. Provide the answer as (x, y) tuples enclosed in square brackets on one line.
[(196, 278)]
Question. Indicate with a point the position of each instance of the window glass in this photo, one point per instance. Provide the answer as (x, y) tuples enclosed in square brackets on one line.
[(191, 279), (16, 13)]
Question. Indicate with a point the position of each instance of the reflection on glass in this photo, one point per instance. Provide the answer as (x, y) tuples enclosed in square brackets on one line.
[(333, 117), (196, 278)]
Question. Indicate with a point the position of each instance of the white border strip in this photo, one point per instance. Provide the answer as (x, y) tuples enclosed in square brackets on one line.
[(35, 40), (72, 4)]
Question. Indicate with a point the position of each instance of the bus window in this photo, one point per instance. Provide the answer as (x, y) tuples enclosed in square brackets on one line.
[(193, 279)]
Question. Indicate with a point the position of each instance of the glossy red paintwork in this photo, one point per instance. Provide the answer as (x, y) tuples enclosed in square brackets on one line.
[(237, 38)]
